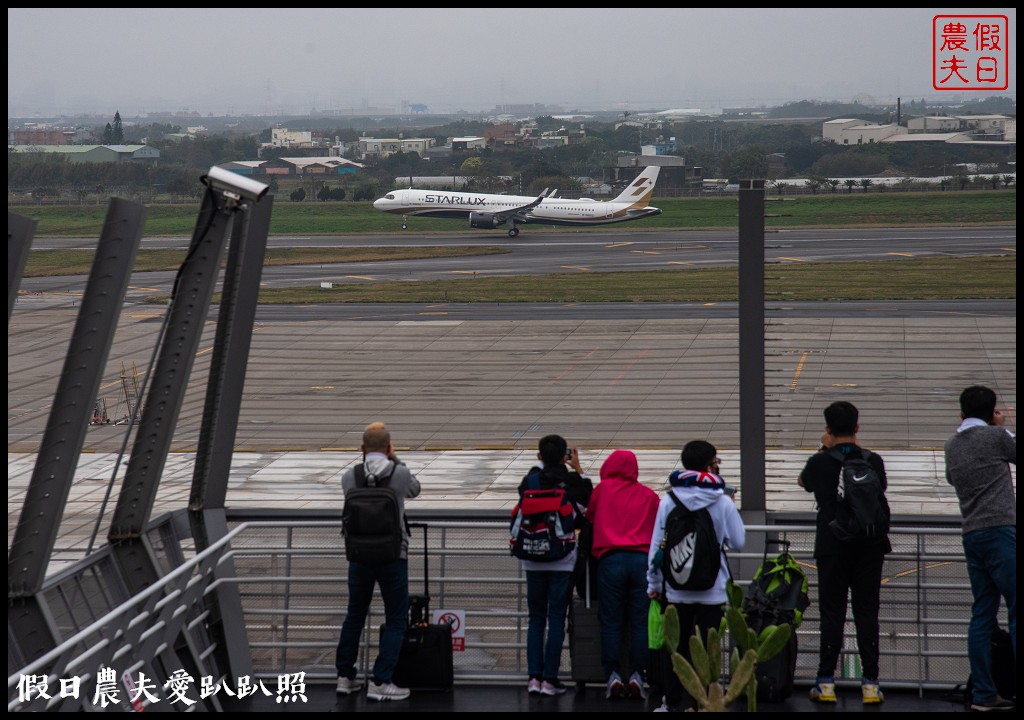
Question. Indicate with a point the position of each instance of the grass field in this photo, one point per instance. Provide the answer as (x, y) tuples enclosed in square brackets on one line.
[(987, 277), (889, 209)]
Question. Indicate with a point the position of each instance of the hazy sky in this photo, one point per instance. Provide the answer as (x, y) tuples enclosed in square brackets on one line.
[(294, 60)]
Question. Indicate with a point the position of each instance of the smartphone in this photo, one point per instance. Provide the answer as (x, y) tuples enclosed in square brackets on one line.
[(568, 454)]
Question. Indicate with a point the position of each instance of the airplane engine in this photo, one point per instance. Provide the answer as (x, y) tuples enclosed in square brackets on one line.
[(483, 221)]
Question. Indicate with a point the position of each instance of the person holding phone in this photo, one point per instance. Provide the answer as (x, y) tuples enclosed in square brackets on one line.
[(549, 584)]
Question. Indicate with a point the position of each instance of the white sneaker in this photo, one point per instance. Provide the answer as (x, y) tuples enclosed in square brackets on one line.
[(347, 686), (614, 688), (636, 687), (386, 691), (533, 687)]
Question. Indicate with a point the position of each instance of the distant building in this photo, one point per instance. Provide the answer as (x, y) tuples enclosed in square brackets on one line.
[(930, 128), (92, 153), (675, 174), (372, 149)]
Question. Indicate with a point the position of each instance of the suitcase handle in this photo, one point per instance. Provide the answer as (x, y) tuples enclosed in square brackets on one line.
[(426, 568), (783, 546)]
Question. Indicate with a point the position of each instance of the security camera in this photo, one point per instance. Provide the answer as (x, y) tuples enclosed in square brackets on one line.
[(234, 185)]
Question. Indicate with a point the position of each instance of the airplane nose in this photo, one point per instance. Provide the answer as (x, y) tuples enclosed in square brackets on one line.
[(378, 204)]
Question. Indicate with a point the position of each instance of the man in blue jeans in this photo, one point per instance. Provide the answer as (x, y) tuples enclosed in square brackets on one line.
[(978, 458), (549, 584), (379, 460)]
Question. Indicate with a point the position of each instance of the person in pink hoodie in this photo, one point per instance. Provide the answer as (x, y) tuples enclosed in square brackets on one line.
[(623, 513)]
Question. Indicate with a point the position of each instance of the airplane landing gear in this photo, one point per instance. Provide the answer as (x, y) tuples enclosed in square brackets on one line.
[(405, 222), (513, 231)]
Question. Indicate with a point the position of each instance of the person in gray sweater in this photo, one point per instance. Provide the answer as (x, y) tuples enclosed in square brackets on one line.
[(978, 458), (379, 460)]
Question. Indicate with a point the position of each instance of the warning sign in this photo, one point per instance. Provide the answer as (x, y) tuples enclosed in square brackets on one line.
[(456, 619)]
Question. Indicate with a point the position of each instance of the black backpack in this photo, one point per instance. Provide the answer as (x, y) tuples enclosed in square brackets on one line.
[(862, 512), (371, 521), (691, 553)]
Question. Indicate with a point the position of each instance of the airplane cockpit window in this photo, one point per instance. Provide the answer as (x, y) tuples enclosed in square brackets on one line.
[(390, 196)]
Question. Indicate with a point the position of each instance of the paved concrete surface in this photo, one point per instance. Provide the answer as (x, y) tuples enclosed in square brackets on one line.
[(483, 479)]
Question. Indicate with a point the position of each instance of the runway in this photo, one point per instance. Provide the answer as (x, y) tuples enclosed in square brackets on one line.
[(605, 375)]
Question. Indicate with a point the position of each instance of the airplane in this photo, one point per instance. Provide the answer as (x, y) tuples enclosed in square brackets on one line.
[(487, 212)]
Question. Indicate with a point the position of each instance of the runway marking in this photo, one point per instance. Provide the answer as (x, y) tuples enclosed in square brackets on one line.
[(145, 315), (574, 267), (569, 369), (360, 277), (679, 262), (912, 571), (439, 312), (646, 252), (146, 289), (434, 305), (464, 272), (791, 259), (710, 304), (321, 387), (844, 384), (902, 254), (1013, 250), (618, 245), (629, 367), (799, 369)]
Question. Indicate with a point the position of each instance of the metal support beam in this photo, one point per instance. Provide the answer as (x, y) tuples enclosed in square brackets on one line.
[(190, 304), (20, 231), (235, 318), (752, 364), (86, 359)]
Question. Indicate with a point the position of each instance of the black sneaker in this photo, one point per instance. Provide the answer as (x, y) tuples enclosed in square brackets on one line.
[(997, 705)]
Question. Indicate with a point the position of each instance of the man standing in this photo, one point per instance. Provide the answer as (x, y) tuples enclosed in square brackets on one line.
[(698, 486), (977, 466), (549, 584), (380, 462), (844, 566), (622, 512)]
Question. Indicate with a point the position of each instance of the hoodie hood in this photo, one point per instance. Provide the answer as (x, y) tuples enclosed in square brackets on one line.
[(620, 465), (696, 488), (377, 464)]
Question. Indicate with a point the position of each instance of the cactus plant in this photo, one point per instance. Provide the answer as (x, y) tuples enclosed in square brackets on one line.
[(700, 675)]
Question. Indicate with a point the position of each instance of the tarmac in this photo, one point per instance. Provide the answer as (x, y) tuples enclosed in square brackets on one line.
[(451, 479)]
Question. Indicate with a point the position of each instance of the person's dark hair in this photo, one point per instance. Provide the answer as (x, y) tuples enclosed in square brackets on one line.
[(841, 418), (552, 449), (978, 401), (697, 454)]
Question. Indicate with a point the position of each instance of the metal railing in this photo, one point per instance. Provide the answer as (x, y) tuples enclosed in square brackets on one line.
[(291, 577)]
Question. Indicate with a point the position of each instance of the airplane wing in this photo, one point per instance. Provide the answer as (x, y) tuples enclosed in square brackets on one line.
[(519, 212)]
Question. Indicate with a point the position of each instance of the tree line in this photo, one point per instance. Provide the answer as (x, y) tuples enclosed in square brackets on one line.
[(723, 148)]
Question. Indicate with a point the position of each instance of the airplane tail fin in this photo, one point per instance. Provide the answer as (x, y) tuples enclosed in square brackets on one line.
[(640, 191)]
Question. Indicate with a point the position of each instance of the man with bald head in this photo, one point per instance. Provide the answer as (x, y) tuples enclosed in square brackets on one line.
[(382, 466)]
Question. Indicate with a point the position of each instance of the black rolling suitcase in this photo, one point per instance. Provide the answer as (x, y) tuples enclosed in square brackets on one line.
[(585, 635), (425, 661)]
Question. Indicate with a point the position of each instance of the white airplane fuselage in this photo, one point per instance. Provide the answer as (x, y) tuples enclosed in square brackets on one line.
[(487, 211), (555, 211)]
